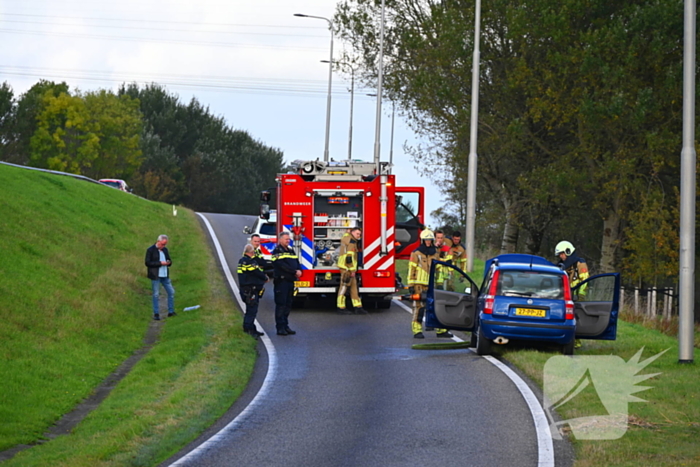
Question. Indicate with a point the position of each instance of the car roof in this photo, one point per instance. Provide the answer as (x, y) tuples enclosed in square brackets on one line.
[(110, 180), (516, 261)]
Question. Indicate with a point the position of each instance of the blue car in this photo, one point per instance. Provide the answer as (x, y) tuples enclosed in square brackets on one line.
[(524, 297)]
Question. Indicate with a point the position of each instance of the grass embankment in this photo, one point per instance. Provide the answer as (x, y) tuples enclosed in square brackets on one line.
[(75, 303), (664, 431)]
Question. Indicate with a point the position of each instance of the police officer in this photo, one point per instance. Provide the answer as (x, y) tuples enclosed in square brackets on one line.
[(251, 279), (286, 270), (347, 263), (265, 264), (418, 277)]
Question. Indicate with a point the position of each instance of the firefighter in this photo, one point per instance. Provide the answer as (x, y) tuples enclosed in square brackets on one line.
[(575, 267), (287, 269), (459, 258), (443, 249), (418, 276), (251, 279), (347, 263)]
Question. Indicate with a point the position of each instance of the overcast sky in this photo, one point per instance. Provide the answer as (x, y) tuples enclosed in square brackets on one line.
[(251, 62)]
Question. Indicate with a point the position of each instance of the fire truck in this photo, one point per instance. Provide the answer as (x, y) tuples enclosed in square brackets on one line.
[(318, 202)]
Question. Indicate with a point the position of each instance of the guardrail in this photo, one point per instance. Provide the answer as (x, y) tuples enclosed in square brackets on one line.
[(55, 172)]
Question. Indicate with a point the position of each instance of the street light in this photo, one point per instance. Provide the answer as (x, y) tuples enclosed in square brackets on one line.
[(352, 99), (330, 79), (391, 141)]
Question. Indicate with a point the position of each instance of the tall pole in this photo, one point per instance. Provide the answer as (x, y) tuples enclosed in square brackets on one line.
[(330, 80), (380, 75), (688, 156), (471, 174), (391, 147), (352, 99)]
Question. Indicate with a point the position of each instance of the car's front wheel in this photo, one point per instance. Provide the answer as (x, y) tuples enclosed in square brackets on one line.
[(483, 345)]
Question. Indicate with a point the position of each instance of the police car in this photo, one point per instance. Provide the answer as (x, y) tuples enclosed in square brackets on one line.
[(267, 229)]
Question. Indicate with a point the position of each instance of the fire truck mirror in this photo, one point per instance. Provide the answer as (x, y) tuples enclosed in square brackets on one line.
[(265, 211), (265, 196)]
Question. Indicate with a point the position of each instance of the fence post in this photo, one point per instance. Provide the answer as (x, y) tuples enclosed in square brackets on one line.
[(636, 300), (665, 313), (648, 311), (653, 302), (622, 299)]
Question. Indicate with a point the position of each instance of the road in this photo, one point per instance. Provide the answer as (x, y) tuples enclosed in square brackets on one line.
[(350, 391)]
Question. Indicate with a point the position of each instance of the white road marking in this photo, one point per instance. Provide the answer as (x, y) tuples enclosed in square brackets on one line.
[(545, 447), (269, 377)]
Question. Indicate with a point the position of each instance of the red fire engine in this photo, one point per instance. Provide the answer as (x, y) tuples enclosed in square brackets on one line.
[(321, 201)]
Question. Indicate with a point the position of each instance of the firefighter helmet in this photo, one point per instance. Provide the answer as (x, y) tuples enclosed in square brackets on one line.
[(427, 234), (564, 247)]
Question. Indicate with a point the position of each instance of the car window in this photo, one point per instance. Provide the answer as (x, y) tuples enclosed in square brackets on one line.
[(112, 184), (599, 289), (531, 284), (268, 229)]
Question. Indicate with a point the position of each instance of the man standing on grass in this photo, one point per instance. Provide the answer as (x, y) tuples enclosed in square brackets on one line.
[(158, 263)]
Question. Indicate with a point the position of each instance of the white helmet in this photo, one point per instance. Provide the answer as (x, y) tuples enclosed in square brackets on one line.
[(564, 247), (427, 234)]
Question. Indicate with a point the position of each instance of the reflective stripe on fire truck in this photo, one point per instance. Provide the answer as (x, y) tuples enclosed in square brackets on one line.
[(371, 254)]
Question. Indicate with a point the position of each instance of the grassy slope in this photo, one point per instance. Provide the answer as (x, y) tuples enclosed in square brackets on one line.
[(663, 431), (75, 302)]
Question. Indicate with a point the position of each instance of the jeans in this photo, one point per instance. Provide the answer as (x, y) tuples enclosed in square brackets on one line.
[(284, 295), (155, 284)]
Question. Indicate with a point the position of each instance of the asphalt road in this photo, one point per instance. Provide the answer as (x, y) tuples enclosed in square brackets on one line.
[(350, 391)]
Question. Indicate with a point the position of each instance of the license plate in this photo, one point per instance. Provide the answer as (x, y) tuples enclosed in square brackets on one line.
[(302, 284), (530, 312)]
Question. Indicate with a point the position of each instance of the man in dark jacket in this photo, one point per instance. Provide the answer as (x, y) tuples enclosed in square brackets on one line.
[(287, 270), (158, 263), (251, 279)]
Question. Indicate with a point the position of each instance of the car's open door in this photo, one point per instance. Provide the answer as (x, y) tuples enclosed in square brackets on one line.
[(455, 308), (409, 220), (596, 305)]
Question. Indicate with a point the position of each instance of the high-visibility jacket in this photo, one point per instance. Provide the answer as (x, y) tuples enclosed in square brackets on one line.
[(419, 264), (577, 270), (347, 259), (250, 273), (459, 256), (286, 263), (443, 255)]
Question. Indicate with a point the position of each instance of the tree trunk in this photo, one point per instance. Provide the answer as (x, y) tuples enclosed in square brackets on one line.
[(611, 240), (510, 231)]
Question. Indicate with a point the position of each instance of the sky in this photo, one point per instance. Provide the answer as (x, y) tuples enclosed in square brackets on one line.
[(252, 62)]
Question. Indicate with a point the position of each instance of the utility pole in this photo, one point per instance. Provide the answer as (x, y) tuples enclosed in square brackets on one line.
[(686, 287)]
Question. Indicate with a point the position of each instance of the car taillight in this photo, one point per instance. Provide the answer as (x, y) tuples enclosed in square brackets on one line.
[(489, 299), (569, 313), (568, 303), (488, 304)]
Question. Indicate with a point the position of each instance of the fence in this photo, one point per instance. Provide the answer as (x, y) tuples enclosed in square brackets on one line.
[(650, 302)]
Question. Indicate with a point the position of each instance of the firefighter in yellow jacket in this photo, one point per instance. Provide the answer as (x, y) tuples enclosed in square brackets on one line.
[(418, 277), (458, 255), (347, 263), (575, 267)]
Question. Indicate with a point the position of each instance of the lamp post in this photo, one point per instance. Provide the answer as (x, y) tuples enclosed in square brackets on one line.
[(330, 79), (391, 143), (352, 101)]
